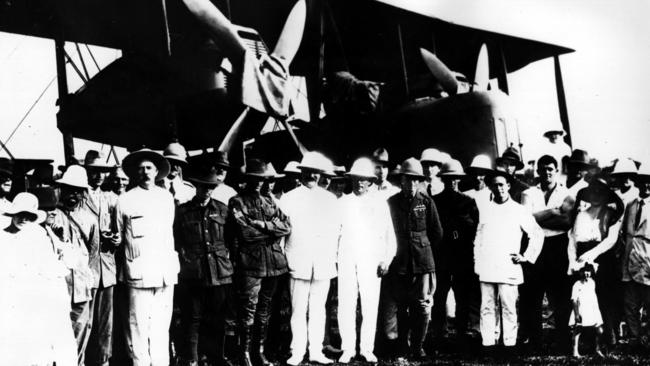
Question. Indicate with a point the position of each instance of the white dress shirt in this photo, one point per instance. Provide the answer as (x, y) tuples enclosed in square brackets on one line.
[(533, 199)]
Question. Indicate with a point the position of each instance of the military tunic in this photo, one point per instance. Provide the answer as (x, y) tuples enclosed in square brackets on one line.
[(259, 257), (411, 280), (206, 270)]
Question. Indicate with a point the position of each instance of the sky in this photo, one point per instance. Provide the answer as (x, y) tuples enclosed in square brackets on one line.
[(605, 79)]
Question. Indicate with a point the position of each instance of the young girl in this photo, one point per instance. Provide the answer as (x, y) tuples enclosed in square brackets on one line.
[(586, 313)]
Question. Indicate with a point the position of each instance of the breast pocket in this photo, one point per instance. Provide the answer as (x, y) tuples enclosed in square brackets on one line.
[(419, 220), (217, 223)]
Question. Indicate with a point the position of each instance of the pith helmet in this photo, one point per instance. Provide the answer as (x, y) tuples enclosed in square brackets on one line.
[(362, 167)]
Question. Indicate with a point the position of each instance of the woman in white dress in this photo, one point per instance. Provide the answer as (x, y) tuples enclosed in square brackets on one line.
[(34, 306), (586, 312)]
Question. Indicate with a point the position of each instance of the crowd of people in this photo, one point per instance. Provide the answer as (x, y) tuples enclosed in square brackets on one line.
[(158, 261)]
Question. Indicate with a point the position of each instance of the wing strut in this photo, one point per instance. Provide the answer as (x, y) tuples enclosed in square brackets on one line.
[(561, 100)]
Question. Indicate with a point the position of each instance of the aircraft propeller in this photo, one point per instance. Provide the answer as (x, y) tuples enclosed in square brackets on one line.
[(440, 71)]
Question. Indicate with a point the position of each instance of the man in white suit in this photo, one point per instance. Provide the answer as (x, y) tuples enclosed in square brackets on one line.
[(311, 255), (366, 248)]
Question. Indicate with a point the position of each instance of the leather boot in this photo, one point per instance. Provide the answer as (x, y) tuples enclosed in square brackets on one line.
[(245, 346), (418, 333), (259, 338), (221, 359)]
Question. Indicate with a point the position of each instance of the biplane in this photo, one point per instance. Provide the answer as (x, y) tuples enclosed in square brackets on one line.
[(375, 72)]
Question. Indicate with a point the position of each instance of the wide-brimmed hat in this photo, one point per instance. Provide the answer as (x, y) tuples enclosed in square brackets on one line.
[(131, 162), (432, 155), (512, 155), (363, 168), (315, 161), (380, 156), (256, 168), (452, 168), (554, 131), (74, 176), (48, 197), (291, 168), (27, 203), (271, 169), (599, 185), (580, 158), (481, 164), (204, 175), (411, 167), (96, 160), (625, 166)]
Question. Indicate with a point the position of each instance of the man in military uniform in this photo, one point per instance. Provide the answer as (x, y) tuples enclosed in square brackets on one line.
[(258, 226), (182, 190), (455, 259), (411, 279), (206, 269), (100, 205)]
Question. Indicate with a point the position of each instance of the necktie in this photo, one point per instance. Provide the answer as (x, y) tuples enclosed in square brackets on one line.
[(171, 188), (637, 221)]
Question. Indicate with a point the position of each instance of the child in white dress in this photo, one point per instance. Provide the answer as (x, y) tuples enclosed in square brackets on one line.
[(586, 313)]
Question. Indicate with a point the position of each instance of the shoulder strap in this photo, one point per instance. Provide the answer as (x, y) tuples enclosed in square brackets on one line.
[(78, 226)]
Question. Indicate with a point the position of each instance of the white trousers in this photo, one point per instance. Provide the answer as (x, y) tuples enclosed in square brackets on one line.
[(358, 281), (150, 314), (308, 296), (493, 294)]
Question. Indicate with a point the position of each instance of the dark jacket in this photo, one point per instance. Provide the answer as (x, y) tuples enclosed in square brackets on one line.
[(517, 187), (259, 253), (418, 229), (199, 239), (459, 217)]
